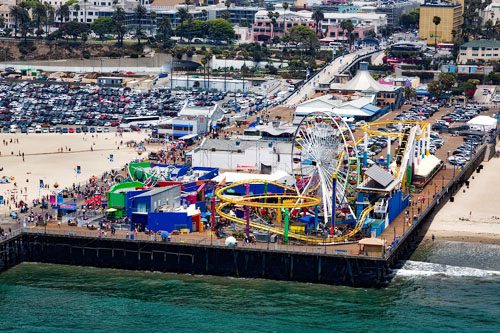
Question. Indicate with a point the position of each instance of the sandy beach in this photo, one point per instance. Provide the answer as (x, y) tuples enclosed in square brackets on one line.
[(475, 214), (43, 161)]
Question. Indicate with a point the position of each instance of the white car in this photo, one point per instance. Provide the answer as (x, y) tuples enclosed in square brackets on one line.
[(98, 130)]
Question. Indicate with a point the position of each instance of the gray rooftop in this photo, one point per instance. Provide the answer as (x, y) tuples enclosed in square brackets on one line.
[(379, 175), (155, 191), (232, 146)]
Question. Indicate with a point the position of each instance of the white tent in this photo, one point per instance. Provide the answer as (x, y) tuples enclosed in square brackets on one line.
[(427, 165), (482, 123)]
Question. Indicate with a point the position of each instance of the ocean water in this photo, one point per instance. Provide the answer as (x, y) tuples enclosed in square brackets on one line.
[(446, 287)]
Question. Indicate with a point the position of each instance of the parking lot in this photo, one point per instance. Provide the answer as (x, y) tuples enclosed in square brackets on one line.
[(28, 107), (451, 139)]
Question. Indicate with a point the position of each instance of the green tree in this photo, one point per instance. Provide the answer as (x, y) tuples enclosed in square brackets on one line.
[(301, 34), (226, 15), (24, 20), (103, 26), (75, 29), (39, 15), (273, 16), (435, 89), (410, 93), (472, 18), (443, 84), (119, 24), (15, 12), (410, 20), (285, 7), (184, 15), (63, 13), (318, 16), (49, 17), (219, 29), (140, 12), (76, 8), (348, 26), (165, 29)]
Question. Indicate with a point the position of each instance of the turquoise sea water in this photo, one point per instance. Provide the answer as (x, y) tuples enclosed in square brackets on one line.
[(446, 287)]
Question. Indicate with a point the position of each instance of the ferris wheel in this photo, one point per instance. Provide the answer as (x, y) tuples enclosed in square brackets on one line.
[(324, 161)]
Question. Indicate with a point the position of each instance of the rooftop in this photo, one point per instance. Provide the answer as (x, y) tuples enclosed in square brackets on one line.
[(483, 43), (234, 146), (155, 191)]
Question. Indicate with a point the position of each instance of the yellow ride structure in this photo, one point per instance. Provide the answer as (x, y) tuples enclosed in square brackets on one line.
[(411, 134)]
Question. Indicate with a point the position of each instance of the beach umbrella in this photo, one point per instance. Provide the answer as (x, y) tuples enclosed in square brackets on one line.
[(231, 241)]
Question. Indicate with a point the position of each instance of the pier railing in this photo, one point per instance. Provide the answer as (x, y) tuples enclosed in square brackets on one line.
[(206, 240)]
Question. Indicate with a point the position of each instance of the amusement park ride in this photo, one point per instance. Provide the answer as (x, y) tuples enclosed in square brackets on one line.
[(336, 194)]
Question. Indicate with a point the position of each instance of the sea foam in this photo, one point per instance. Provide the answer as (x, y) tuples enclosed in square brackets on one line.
[(419, 268)]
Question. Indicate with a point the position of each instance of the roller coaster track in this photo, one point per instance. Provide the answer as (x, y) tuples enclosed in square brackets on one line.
[(291, 201), (280, 231)]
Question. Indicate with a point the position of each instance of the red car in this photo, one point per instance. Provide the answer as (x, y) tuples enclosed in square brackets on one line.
[(71, 130)]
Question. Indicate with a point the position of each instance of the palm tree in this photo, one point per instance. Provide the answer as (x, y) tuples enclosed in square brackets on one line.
[(285, 7), (347, 25), (436, 20), (183, 14), (15, 13), (63, 13), (76, 8), (318, 16), (205, 60), (85, 11), (227, 15), (165, 28), (119, 23), (273, 17), (40, 15), (24, 21), (140, 12), (49, 16)]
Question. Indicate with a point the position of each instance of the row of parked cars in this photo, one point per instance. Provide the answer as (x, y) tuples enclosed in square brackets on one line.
[(28, 104), (419, 110), (464, 152), (460, 114), (63, 130)]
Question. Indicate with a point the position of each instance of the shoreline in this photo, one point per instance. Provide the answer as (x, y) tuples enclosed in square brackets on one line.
[(53, 158), (474, 216), (477, 238)]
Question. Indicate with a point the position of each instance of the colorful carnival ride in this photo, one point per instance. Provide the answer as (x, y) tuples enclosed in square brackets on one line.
[(337, 193), (164, 174)]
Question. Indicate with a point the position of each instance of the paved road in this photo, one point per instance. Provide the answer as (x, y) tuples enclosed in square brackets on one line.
[(325, 75)]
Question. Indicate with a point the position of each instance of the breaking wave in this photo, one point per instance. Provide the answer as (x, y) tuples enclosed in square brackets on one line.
[(419, 268)]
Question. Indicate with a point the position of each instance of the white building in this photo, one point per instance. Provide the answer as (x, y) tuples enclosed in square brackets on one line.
[(191, 120), (212, 83), (491, 12), (240, 155), (362, 108), (482, 50), (373, 19)]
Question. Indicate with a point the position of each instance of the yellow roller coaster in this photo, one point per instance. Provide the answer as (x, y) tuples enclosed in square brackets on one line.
[(274, 201), (292, 199)]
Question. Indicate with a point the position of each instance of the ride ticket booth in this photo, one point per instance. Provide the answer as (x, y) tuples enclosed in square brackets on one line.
[(372, 247)]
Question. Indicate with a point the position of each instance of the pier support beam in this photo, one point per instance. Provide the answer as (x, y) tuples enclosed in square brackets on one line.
[(285, 230), (388, 152)]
